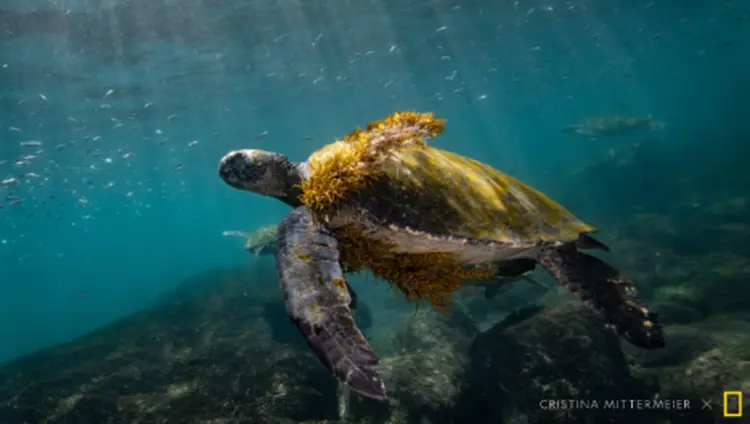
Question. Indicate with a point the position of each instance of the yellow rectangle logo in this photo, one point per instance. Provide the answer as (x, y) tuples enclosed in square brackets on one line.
[(732, 404)]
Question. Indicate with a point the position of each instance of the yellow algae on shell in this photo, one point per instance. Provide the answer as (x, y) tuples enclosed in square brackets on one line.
[(345, 166), (468, 198), (432, 277)]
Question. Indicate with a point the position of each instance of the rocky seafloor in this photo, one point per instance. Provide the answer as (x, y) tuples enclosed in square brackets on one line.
[(220, 350)]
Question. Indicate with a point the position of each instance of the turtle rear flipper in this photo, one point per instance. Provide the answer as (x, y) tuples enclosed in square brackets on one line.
[(607, 290), (319, 302)]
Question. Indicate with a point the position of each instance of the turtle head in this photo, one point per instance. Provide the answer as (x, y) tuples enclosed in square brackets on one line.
[(258, 171)]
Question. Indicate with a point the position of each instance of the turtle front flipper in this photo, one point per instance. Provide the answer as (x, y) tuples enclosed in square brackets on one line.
[(319, 302), (607, 290)]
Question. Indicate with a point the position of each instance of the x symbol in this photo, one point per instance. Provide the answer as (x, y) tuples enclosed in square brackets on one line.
[(706, 404)]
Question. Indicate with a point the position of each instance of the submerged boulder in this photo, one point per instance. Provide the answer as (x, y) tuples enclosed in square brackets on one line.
[(220, 349), (424, 366), (202, 354), (699, 363), (540, 356)]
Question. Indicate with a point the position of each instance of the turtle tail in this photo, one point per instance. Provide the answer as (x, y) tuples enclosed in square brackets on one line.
[(607, 290)]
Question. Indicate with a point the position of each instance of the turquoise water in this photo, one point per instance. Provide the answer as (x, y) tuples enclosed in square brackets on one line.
[(133, 103)]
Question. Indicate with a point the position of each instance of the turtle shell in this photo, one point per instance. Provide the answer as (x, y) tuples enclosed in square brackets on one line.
[(390, 172), (262, 237), (424, 188)]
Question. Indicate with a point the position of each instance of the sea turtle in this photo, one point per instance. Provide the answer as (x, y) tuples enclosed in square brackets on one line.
[(421, 218), (614, 125), (261, 241)]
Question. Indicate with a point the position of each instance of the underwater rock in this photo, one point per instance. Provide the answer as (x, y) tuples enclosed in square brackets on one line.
[(204, 353), (688, 288), (425, 369), (220, 349), (561, 352), (428, 370), (701, 286), (701, 361)]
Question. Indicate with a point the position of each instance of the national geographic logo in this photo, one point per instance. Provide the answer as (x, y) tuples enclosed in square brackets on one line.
[(732, 404)]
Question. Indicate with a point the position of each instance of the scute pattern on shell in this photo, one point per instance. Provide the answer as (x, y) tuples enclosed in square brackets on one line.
[(444, 193)]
